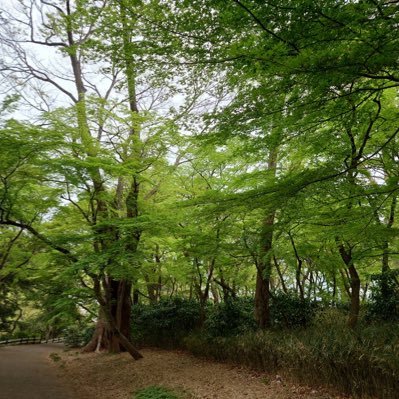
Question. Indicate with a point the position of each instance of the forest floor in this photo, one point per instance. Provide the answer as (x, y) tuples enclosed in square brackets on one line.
[(110, 376)]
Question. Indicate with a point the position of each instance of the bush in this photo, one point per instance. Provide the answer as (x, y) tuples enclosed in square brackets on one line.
[(384, 301), (166, 323), (230, 318), (288, 310)]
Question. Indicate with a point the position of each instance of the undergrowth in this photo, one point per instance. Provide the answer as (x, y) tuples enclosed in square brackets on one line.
[(155, 392), (309, 344), (362, 363)]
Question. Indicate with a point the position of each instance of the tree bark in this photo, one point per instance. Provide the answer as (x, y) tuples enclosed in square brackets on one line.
[(264, 264), (385, 290), (116, 325), (264, 267), (105, 337), (354, 283)]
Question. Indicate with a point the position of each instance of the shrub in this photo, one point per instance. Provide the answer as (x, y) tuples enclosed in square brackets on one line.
[(166, 323), (230, 318), (288, 310), (384, 301)]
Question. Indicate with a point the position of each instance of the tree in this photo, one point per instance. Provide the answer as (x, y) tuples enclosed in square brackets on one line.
[(107, 142), (334, 61)]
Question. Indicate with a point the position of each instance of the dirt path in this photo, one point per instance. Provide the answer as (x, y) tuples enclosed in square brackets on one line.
[(25, 373), (108, 376)]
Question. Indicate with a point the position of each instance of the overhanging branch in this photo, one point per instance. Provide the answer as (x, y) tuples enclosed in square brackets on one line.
[(41, 237)]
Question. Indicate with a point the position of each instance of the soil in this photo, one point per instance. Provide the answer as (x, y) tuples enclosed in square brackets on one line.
[(118, 376)]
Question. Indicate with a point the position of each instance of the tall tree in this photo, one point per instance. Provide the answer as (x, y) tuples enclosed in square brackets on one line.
[(107, 145)]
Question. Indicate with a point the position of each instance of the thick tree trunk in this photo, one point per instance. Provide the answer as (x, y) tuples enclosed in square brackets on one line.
[(100, 339), (121, 306), (114, 336)]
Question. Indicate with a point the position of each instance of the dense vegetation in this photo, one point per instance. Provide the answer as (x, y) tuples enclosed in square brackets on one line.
[(231, 168), (316, 347)]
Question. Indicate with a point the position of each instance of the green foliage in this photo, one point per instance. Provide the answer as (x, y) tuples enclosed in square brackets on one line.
[(8, 310), (165, 323), (384, 301), (288, 310), (233, 317), (155, 392)]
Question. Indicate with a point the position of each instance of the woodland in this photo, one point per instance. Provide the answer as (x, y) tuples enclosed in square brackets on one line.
[(217, 175)]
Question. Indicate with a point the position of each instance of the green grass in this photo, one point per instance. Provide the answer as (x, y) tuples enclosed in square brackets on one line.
[(155, 392), (55, 357)]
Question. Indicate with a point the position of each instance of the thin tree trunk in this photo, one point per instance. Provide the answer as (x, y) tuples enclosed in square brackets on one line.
[(354, 283), (264, 264), (385, 291), (298, 270), (280, 275)]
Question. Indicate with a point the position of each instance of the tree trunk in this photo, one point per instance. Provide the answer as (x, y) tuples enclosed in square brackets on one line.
[(298, 270), (115, 308), (354, 283), (385, 289), (228, 292), (204, 295), (262, 298), (135, 296), (100, 339), (264, 268), (280, 275), (264, 264), (107, 337), (215, 293), (355, 297)]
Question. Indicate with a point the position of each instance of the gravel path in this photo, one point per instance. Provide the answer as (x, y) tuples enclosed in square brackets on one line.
[(26, 373)]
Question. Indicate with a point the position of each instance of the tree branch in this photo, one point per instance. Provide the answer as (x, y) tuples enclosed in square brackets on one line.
[(41, 237)]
